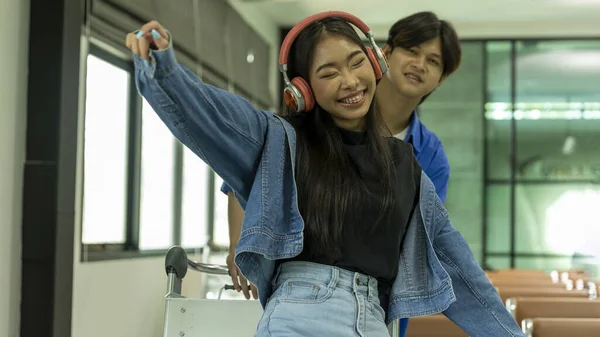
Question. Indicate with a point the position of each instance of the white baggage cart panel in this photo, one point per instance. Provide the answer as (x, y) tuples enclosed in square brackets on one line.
[(186, 317), (194, 317)]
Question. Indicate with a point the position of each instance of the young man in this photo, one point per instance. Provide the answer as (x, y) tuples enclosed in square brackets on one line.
[(422, 52)]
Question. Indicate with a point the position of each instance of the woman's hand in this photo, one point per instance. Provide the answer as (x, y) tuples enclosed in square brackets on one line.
[(151, 36)]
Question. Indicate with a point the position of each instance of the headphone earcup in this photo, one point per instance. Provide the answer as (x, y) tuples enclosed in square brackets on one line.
[(375, 63), (305, 91)]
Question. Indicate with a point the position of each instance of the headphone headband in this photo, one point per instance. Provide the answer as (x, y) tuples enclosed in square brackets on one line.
[(297, 92), (295, 31)]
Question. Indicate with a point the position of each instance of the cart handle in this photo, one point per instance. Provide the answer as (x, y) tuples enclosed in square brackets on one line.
[(214, 269), (177, 262)]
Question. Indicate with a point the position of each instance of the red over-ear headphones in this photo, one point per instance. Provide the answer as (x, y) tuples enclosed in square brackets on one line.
[(297, 93)]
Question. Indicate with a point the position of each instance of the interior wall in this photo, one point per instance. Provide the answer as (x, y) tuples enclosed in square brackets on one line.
[(14, 24), (269, 31)]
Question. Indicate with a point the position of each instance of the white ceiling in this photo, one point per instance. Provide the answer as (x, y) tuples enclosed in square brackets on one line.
[(387, 11), (461, 12)]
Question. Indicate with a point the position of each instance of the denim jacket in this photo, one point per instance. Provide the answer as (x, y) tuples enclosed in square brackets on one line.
[(254, 152)]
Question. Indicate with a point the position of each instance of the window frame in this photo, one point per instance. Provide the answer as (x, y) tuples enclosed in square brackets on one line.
[(130, 248), (513, 180)]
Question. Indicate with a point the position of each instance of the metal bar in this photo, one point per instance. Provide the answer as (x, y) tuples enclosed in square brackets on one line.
[(211, 207), (485, 128), (177, 191), (537, 255), (394, 328), (527, 327), (513, 154), (134, 158), (173, 285), (543, 181), (213, 269)]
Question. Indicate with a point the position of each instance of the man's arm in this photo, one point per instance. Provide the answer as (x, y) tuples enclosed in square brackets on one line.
[(235, 214)]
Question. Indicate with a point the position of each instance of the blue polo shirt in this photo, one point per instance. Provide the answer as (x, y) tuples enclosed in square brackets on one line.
[(429, 152)]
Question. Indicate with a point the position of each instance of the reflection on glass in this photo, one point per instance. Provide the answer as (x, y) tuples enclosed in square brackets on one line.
[(557, 117), (498, 219), (454, 113), (194, 201), (544, 263), (221, 225), (156, 194), (558, 110), (578, 207), (498, 109), (105, 153), (558, 219), (494, 262)]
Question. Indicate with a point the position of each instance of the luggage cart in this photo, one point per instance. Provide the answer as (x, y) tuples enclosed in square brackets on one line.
[(196, 317)]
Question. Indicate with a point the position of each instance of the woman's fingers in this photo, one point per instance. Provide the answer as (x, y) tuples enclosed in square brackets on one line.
[(128, 40), (151, 36), (161, 42), (143, 47), (134, 46), (147, 28)]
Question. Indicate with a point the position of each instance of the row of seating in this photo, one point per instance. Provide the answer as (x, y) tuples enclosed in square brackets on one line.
[(556, 304)]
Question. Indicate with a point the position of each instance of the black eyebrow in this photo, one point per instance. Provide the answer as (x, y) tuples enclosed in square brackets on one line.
[(331, 64), (437, 55)]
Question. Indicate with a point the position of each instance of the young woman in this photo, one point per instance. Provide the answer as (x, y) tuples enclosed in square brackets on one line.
[(335, 213), (422, 51)]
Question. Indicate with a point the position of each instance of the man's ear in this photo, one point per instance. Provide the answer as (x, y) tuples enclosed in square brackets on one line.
[(386, 50), (442, 79)]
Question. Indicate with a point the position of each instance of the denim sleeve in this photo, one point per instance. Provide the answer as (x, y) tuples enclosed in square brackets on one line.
[(223, 129), (478, 309), (439, 172), (226, 188)]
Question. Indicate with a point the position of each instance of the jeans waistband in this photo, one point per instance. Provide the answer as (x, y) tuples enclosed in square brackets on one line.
[(335, 277)]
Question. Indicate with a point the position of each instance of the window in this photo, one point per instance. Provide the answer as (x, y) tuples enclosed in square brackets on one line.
[(558, 110), (221, 224), (143, 191), (542, 116), (498, 221), (157, 182), (194, 210), (453, 113), (105, 153), (544, 210), (498, 100)]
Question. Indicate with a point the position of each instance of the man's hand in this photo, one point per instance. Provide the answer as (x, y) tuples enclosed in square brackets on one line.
[(239, 281)]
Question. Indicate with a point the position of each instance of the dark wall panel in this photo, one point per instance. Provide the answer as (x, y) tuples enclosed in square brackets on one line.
[(49, 172), (208, 34), (212, 17)]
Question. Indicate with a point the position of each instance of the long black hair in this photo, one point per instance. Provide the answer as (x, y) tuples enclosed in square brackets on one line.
[(328, 187)]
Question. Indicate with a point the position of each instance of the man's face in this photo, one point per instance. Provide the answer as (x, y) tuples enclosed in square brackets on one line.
[(417, 71)]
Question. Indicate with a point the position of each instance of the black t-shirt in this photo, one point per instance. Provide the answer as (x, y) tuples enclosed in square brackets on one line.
[(376, 253)]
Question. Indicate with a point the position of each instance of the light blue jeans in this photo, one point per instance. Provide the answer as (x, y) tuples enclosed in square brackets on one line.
[(317, 300)]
